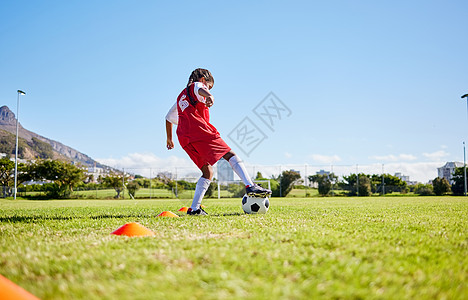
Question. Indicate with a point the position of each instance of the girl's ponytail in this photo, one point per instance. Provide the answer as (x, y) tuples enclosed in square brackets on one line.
[(199, 73), (190, 81)]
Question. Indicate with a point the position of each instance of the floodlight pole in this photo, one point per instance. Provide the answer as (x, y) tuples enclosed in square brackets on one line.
[(20, 92), (464, 166), (466, 96), (383, 181), (357, 181), (464, 156)]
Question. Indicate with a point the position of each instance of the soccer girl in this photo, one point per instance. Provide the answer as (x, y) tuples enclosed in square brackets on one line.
[(201, 140)]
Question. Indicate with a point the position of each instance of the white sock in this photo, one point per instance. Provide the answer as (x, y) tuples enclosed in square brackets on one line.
[(202, 186), (238, 166)]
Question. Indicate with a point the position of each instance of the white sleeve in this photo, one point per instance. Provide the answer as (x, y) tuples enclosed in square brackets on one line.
[(199, 85), (173, 115)]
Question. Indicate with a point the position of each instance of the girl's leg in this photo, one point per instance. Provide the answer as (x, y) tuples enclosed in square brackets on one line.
[(238, 166), (202, 186), (207, 172)]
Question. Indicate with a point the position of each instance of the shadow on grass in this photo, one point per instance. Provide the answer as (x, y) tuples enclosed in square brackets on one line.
[(44, 198), (228, 214), (39, 218), (33, 219), (35, 197)]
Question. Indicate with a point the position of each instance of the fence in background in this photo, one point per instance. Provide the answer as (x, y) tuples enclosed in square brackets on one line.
[(192, 174), (224, 179)]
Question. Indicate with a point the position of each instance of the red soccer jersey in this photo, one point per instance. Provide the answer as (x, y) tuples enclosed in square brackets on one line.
[(194, 118)]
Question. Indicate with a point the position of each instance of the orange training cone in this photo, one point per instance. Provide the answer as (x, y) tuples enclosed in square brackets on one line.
[(169, 214), (133, 229), (183, 209), (11, 291)]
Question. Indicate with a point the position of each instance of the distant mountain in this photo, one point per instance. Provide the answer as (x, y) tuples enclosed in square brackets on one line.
[(32, 145)]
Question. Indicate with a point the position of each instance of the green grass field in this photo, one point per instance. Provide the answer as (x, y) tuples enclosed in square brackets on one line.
[(330, 248)]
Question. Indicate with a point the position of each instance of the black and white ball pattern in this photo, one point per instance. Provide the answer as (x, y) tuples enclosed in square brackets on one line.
[(255, 205)]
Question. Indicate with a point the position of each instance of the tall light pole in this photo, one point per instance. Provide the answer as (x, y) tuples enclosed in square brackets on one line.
[(465, 96), (464, 157), (383, 180), (464, 166), (20, 92)]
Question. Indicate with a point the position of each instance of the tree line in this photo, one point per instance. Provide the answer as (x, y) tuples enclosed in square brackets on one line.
[(366, 185), (59, 179)]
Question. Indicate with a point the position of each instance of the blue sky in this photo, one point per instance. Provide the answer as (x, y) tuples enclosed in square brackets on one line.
[(366, 82)]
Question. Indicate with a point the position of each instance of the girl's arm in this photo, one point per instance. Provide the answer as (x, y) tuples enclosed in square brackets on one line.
[(209, 98), (169, 142), (171, 118)]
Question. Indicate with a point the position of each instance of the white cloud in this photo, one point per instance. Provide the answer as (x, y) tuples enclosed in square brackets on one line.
[(391, 157), (421, 171), (438, 155), (325, 159), (287, 155)]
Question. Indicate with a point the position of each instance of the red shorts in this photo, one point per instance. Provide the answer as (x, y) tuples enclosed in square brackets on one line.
[(207, 152)]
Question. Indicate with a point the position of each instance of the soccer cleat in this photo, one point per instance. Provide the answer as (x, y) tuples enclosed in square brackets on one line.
[(257, 191), (198, 212)]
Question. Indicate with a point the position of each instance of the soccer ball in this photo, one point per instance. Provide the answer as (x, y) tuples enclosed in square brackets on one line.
[(255, 205)]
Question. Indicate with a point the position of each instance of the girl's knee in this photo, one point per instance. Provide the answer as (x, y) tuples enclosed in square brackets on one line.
[(208, 172), (228, 155)]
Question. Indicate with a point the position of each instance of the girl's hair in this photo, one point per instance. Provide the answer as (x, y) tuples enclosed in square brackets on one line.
[(199, 73)]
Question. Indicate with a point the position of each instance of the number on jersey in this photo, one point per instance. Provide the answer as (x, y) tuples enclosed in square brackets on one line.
[(183, 103)]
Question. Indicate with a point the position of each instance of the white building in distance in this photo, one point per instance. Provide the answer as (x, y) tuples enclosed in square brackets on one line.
[(323, 172), (448, 170), (406, 179), (95, 172)]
